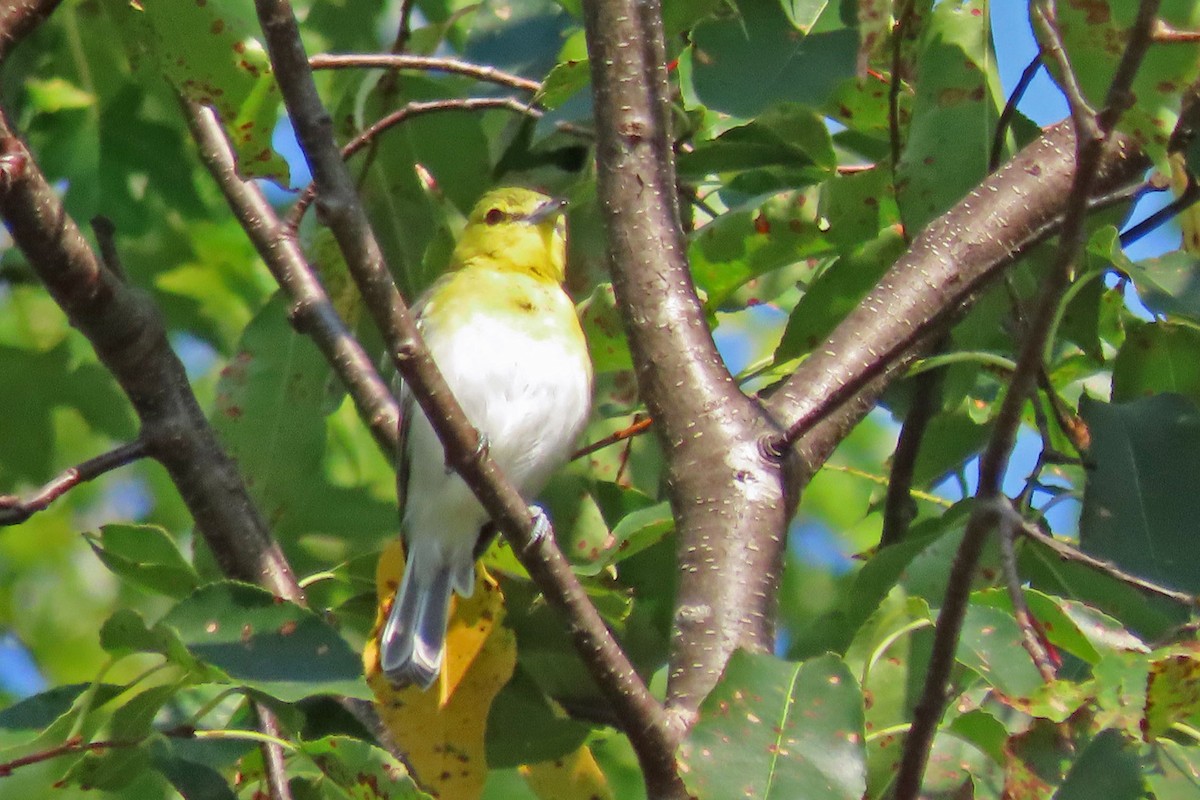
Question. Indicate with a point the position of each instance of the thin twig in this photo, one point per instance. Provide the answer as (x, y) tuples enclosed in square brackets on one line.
[(414, 109), (274, 760), (1031, 636), (14, 511), (424, 64), (899, 30), (1067, 420), (1068, 553), (637, 428), (899, 508), (1045, 21), (404, 30), (1166, 34), (70, 747), (1190, 195), (106, 238), (1010, 110)]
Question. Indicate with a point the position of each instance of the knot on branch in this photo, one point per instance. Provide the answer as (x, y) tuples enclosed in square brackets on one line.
[(774, 448), (13, 160)]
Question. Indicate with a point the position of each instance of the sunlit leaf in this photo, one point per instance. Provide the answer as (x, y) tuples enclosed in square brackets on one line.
[(772, 728)]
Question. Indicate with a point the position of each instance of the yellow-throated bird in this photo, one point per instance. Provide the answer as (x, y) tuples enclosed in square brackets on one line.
[(505, 336)]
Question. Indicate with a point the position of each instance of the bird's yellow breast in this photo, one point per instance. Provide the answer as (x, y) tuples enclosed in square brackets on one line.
[(533, 307)]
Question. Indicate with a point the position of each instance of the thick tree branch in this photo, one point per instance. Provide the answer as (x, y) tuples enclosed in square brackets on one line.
[(128, 335), (341, 210), (727, 494), (18, 18), (949, 263)]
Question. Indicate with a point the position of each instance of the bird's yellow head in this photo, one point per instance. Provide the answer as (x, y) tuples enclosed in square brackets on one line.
[(515, 230)]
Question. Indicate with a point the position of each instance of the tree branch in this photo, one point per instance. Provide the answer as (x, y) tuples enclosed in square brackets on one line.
[(14, 511), (342, 211), (727, 494), (312, 312), (1068, 553), (949, 263), (128, 335), (19, 18), (425, 64), (409, 110)]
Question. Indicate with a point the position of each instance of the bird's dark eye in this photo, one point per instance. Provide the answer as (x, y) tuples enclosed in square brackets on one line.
[(493, 216)]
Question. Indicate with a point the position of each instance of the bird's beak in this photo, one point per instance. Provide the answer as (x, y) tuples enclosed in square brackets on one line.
[(547, 210)]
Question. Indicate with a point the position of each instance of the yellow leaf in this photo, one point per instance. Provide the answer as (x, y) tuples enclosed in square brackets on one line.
[(441, 731), (575, 775)]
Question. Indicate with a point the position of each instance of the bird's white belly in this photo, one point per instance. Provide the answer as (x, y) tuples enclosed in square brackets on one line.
[(528, 395)]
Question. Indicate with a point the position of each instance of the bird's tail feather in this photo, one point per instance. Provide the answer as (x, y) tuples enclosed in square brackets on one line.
[(414, 639)]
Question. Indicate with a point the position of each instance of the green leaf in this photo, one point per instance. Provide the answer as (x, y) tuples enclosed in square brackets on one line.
[(774, 729), (1037, 759), (1172, 692), (146, 556), (134, 718), (524, 728), (858, 206), (951, 440), (209, 53), (1142, 497), (1108, 767), (1174, 771), (605, 334), (193, 780), (267, 643), (957, 91), (361, 770), (787, 137), (1121, 679), (640, 529), (990, 644), (126, 632), (47, 718), (835, 292), (804, 14), (743, 65), (741, 245), (1168, 285), (272, 405), (408, 219), (563, 82), (1156, 358), (111, 769), (57, 94), (1133, 616)]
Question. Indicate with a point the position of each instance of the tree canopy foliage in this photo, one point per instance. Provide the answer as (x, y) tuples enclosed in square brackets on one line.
[(197, 435)]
